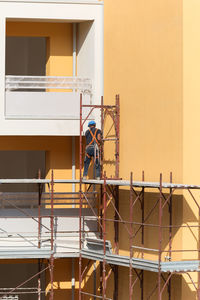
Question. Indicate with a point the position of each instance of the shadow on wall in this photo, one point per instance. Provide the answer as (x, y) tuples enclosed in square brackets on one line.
[(90, 284), (151, 233), (91, 278), (20, 165), (150, 286), (62, 278), (82, 32), (16, 273), (188, 290)]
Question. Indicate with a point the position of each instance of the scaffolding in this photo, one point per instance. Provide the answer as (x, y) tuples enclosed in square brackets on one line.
[(98, 247), (113, 111), (110, 190), (165, 269), (138, 190)]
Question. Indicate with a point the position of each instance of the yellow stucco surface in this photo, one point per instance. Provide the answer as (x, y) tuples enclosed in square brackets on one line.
[(191, 127), (151, 50), (143, 63)]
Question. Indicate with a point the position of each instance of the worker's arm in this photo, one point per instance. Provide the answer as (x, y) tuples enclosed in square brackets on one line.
[(99, 136)]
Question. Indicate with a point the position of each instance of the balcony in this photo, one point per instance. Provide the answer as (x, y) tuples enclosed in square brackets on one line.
[(46, 97), (39, 46)]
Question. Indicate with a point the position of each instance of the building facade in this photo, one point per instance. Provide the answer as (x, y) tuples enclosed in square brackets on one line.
[(148, 53)]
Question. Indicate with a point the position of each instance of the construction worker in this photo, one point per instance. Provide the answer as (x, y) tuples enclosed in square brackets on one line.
[(93, 140)]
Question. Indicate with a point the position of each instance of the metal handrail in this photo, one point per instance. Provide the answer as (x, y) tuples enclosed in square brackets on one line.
[(80, 84)]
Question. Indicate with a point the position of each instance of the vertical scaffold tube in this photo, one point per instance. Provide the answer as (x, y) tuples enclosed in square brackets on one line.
[(117, 126), (80, 197), (73, 137), (198, 284), (101, 192), (170, 234), (116, 223), (116, 238), (104, 236), (142, 240), (52, 236), (131, 237), (39, 234), (160, 239), (101, 237), (102, 131), (39, 280)]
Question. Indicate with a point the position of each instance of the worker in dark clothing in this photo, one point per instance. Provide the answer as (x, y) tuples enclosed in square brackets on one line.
[(93, 140)]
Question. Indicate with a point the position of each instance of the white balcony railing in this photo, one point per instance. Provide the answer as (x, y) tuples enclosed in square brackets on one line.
[(14, 83), (46, 97)]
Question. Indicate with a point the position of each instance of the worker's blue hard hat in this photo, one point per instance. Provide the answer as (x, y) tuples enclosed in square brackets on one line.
[(91, 123)]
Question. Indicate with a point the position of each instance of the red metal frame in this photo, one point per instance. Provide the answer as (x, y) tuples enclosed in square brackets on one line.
[(105, 110), (39, 233), (52, 236), (114, 112), (104, 236)]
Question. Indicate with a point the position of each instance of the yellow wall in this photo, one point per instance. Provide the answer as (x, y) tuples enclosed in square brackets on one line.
[(59, 43), (191, 124), (144, 64)]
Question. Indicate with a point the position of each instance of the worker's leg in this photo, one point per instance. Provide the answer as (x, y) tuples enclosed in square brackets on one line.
[(86, 164), (89, 152)]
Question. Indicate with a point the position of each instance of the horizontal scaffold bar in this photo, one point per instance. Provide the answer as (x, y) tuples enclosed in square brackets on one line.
[(117, 182)]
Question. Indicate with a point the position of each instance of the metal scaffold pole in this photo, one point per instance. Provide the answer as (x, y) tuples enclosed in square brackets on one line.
[(52, 236), (39, 235), (170, 235), (131, 237), (117, 127), (113, 111), (80, 199), (101, 236), (160, 240), (142, 238), (104, 236), (116, 195), (102, 131)]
